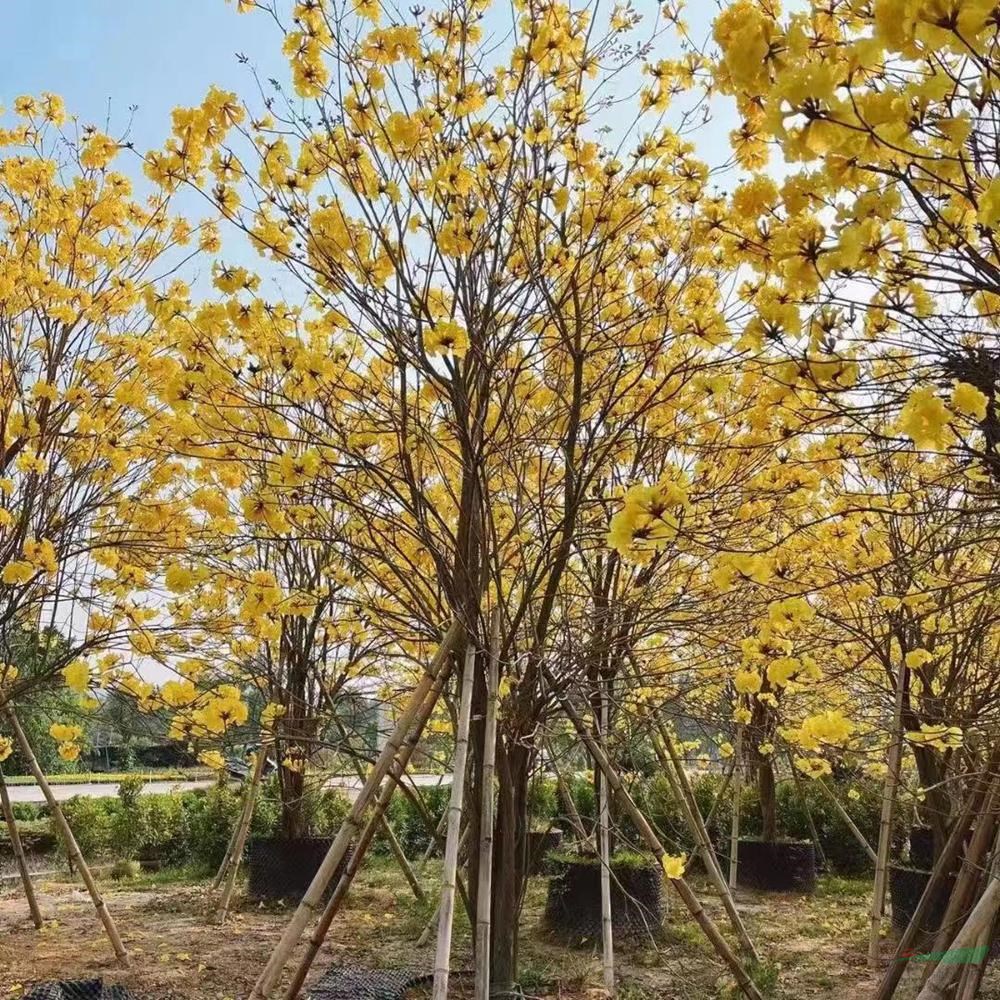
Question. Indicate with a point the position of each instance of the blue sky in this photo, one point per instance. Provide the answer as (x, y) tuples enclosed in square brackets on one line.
[(154, 55), (158, 55)]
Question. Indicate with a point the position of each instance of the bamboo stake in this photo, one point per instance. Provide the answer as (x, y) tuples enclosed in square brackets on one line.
[(681, 787), (848, 822), (242, 831), (937, 986), (972, 974), (604, 839), (431, 926), (18, 847), (352, 823), (721, 794), (697, 911), (224, 867), (484, 895), (734, 823), (572, 813), (353, 866), (963, 891), (442, 958), (386, 830), (894, 972), (885, 821), (72, 848), (813, 832)]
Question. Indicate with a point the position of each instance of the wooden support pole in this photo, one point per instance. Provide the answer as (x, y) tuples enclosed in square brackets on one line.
[(431, 926), (734, 822), (572, 813), (19, 856), (885, 820), (442, 957), (813, 832), (242, 831), (697, 911), (938, 984), (224, 867), (848, 822), (313, 897), (72, 848), (894, 972), (720, 796), (604, 842), (353, 866), (684, 793), (970, 876), (487, 809), (386, 830)]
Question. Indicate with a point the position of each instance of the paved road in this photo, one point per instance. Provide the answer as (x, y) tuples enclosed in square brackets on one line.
[(32, 793)]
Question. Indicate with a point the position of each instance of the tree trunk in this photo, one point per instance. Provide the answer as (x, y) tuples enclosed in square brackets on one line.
[(509, 861), (768, 800), (484, 890)]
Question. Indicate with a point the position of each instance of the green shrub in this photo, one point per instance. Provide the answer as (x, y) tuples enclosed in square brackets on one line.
[(209, 818), (543, 802), (164, 832), (29, 811), (92, 821), (328, 813), (407, 822), (127, 823)]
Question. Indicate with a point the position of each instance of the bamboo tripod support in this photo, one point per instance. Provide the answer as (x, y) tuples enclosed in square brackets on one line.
[(894, 972), (681, 787), (982, 916), (885, 820), (484, 894), (604, 841), (442, 957), (352, 824), (386, 830), (353, 866), (734, 825), (697, 911), (848, 822), (67, 834), (241, 833), (19, 856)]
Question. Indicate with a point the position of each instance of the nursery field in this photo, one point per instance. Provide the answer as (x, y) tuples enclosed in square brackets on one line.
[(509, 493), (816, 944)]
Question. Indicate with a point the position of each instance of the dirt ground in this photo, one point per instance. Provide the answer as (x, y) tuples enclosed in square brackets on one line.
[(814, 947)]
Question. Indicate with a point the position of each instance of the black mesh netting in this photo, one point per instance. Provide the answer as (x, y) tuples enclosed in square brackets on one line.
[(573, 906), (83, 989), (356, 983), (283, 869), (352, 983)]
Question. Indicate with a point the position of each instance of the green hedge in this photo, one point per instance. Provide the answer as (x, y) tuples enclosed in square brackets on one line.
[(190, 827), (195, 827)]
